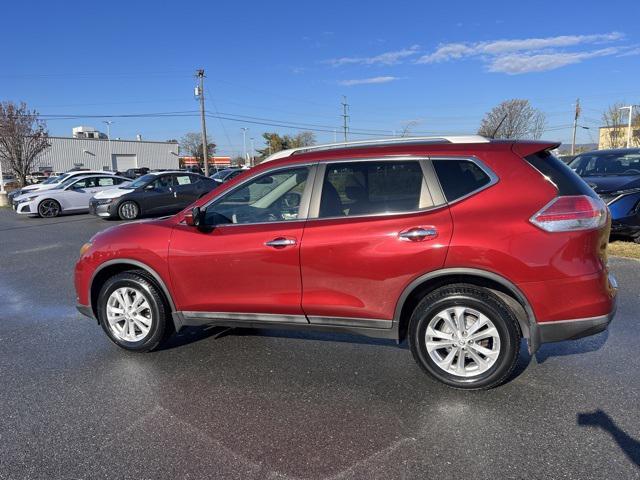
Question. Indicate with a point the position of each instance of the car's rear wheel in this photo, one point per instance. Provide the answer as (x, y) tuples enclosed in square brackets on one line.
[(465, 336), (132, 312), (49, 208), (128, 210)]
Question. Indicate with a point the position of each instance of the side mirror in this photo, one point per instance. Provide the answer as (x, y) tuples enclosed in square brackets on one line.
[(194, 217)]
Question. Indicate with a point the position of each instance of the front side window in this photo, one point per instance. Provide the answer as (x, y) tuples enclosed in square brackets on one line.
[(272, 197), (459, 177), (108, 181), (370, 188), (163, 182), (183, 179)]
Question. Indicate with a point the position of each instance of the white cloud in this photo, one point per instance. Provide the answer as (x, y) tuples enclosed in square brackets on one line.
[(367, 81), (518, 56), (452, 51), (386, 58), (517, 63)]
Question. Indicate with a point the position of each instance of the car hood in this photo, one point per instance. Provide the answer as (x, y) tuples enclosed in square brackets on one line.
[(38, 187), (112, 193), (613, 183)]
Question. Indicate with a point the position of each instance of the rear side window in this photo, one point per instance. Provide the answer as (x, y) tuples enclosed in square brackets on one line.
[(459, 177), (566, 180), (369, 188)]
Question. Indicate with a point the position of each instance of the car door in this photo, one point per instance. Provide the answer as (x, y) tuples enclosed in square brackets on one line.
[(373, 227), (186, 190), (245, 263), (79, 193), (159, 196)]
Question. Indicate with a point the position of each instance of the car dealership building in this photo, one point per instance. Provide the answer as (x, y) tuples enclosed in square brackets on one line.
[(88, 148)]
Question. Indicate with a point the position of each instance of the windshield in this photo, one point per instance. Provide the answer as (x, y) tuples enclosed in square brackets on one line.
[(140, 182), (221, 174), (50, 180), (607, 163), (66, 182)]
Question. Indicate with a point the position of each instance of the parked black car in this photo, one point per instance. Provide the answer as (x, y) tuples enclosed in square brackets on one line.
[(227, 174), (615, 176), (157, 193), (134, 173)]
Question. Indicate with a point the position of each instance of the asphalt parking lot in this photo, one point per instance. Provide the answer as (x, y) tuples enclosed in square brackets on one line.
[(275, 404)]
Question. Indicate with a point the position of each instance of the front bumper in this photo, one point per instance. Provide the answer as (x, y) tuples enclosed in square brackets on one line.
[(101, 210), (25, 208)]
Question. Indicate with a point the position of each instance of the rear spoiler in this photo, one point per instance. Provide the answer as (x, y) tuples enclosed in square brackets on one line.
[(526, 148)]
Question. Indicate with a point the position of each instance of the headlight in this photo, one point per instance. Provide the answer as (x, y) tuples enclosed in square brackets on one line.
[(85, 247), (25, 200), (104, 201)]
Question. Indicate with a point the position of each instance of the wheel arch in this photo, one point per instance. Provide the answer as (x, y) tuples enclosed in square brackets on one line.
[(505, 289), (113, 267), (48, 198)]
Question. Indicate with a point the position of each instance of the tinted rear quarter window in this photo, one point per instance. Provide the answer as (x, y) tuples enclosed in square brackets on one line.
[(459, 177), (566, 180)]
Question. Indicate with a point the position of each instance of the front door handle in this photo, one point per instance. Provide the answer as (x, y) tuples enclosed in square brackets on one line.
[(418, 234), (281, 242)]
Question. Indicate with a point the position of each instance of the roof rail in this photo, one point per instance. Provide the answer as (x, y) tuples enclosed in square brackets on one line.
[(381, 142)]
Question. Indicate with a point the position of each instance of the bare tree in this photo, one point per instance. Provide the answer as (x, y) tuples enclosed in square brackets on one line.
[(23, 136), (191, 145), (512, 119), (615, 122)]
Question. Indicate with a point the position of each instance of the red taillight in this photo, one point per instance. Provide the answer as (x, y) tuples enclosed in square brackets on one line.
[(569, 213)]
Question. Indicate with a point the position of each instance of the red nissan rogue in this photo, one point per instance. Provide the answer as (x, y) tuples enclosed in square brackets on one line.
[(461, 245)]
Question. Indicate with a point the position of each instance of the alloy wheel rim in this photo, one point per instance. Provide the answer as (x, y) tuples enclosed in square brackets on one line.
[(129, 314), (48, 208), (129, 210), (462, 341)]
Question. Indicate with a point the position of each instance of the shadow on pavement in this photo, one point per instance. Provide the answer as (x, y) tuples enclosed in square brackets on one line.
[(572, 347), (599, 419)]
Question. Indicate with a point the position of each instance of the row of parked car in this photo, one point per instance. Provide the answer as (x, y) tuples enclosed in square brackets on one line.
[(113, 195)]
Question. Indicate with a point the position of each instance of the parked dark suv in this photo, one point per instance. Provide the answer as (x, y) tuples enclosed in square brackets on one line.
[(156, 193), (462, 245), (615, 176)]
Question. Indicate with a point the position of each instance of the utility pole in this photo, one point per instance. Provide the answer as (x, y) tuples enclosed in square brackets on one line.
[(244, 143), (200, 91), (345, 116), (575, 126), (630, 108), (109, 123)]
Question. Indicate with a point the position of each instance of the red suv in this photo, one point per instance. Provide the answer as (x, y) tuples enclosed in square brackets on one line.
[(462, 245)]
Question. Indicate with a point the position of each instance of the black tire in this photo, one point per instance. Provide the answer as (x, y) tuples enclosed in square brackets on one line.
[(49, 208), (128, 210), (159, 313), (477, 299)]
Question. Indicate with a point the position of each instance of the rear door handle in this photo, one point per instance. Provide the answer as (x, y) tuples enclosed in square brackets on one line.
[(418, 234), (281, 242)]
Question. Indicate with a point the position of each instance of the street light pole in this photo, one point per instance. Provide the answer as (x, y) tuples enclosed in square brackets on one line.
[(109, 123), (252, 156), (244, 143), (630, 108)]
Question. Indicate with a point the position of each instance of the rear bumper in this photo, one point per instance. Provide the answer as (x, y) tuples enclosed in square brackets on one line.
[(85, 310), (559, 330)]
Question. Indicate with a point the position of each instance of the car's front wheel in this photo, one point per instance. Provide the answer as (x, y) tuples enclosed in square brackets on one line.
[(128, 210), (49, 208), (132, 312), (465, 336)]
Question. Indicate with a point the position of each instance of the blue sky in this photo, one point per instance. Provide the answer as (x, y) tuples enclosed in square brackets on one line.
[(438, 68)]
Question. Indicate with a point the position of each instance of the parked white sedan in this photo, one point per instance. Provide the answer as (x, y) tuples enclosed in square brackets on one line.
[(71, 196)]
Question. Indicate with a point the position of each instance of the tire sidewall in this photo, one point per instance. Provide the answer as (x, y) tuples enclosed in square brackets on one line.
[(497, 313), (156, 331)]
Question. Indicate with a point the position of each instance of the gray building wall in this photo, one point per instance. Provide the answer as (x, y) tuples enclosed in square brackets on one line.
[(66, 153)]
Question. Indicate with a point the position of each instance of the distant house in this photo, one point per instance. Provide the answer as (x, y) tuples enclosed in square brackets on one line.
[(615, 136)]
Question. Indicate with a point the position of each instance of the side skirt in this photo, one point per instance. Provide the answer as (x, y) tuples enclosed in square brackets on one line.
[(355, 326)]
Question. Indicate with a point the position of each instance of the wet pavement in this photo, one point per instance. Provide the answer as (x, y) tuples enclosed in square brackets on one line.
[(278, 404)]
